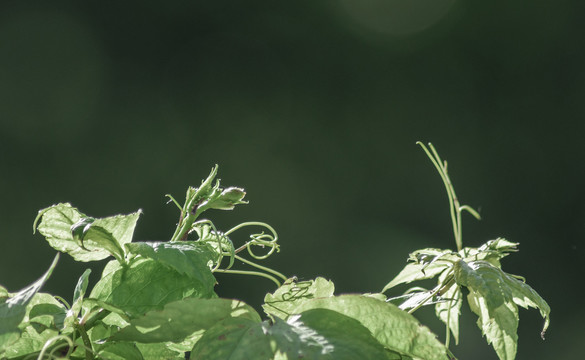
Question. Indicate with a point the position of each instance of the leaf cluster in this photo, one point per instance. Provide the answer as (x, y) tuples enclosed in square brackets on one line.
[(157, 300)]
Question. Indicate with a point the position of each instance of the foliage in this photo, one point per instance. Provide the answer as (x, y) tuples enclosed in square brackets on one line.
[(157, 300)]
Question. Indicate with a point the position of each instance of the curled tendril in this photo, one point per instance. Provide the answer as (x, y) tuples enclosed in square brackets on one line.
[(208, 233), (262, 240)]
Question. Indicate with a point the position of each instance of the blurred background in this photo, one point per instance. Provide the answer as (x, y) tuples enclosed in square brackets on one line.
[(314, 107)]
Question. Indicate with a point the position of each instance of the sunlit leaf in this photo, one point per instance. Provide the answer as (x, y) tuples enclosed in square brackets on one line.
[(292, 293), (78, 295), (30, 342), (45, 306), (179, 319), (392, 327), (494, 296), (413, 271), (315, 334), (120, 351), (146, 285), (492, 251), (13, 310), (68, 230), (190, 258), (449, 309), (159, 351)]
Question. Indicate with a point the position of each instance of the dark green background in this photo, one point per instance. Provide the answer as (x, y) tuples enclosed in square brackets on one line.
[(314, 107)]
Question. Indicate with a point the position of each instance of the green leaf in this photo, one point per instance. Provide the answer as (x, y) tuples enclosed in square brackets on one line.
[(159, 351), (234, 339), (46, 306), (494, 296), (146, 285), (347, 337), (392, 327), (227, 199), (84, 238), (182, 318), (448, 311), (120, 351), (13, 310), (81, 287), (315, 334), (492, 251), (3, 293), (30, 342), (78, 295), (190, 258), (413, 272), (292, 293)]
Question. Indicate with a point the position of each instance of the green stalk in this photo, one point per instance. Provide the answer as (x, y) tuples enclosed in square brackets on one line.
[(258, 266), (255, 273)]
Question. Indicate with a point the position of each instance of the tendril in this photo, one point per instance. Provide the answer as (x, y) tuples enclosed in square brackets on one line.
[(225, 247), (262, 240)]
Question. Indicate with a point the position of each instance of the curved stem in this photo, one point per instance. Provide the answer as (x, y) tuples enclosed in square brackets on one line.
[(252, 223), (51, 342), (454, 207), (255, 273), (258, 266)]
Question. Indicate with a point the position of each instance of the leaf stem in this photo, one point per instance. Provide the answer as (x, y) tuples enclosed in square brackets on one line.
[(258, 266), (86, 342), (455, 208), (255, 273)]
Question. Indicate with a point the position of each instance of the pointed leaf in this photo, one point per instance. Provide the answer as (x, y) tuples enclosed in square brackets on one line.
[(493, 296), (448, 311), (492, 251), (78, 295), (414, 271), (46, 309), (13, 310), (179, 319), (292, 293), (190, 258), (392, 327), (85, 239)]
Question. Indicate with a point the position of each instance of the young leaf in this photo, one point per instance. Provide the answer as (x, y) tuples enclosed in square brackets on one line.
[(392, 327), (179, 319), (494, 296), (292, 293), (190, 258), (85, 239), (78, 295), (492, 251), (146, 285), (414, 271), (13, 310), (45, 309)]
